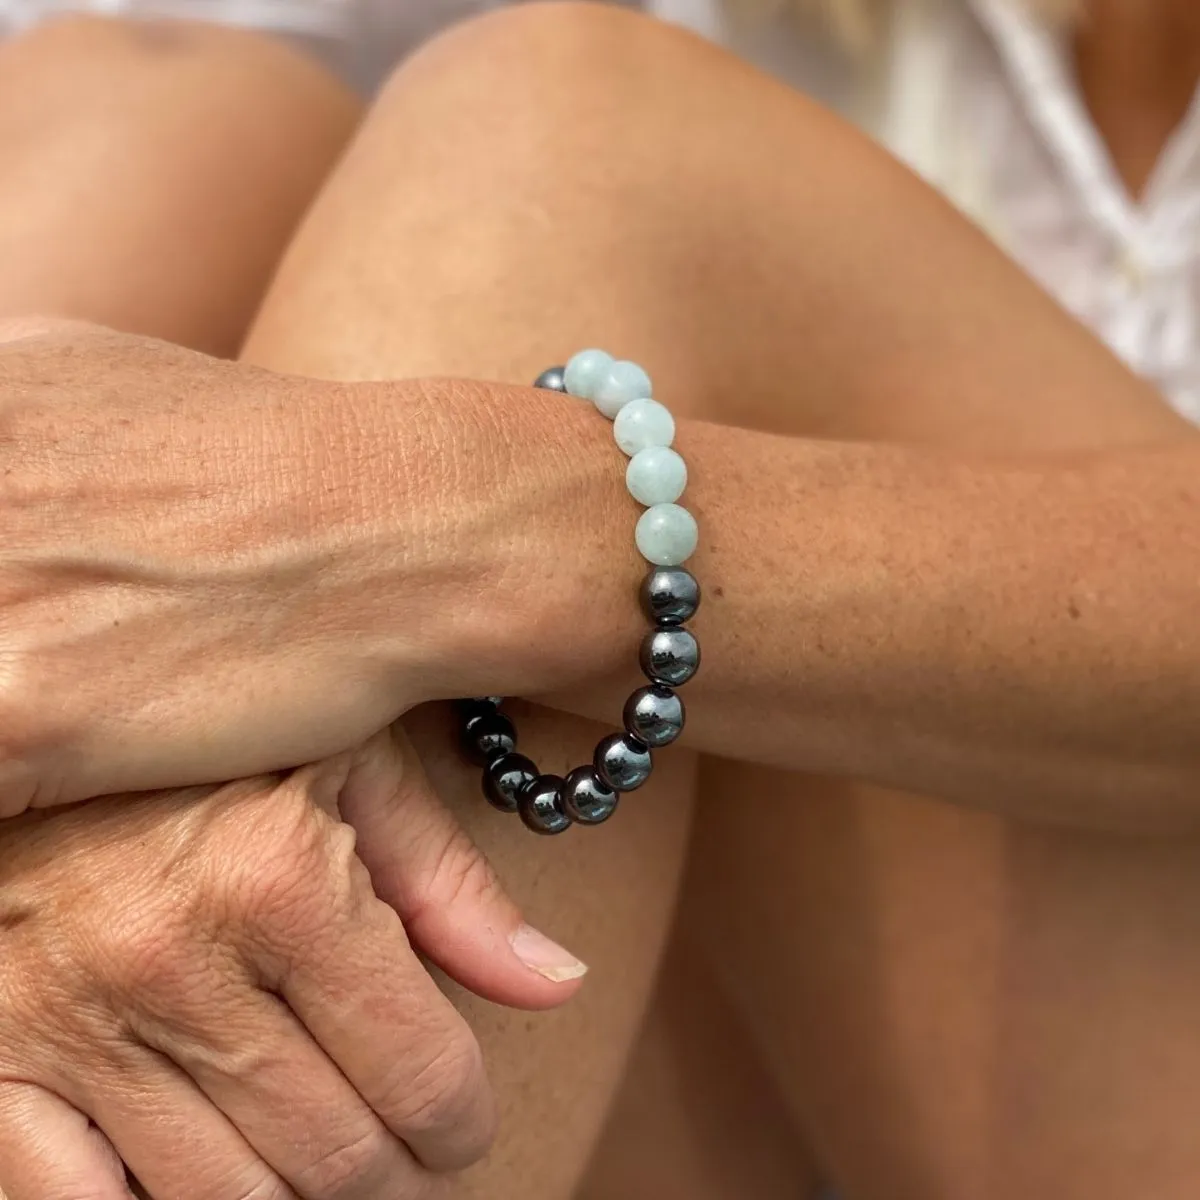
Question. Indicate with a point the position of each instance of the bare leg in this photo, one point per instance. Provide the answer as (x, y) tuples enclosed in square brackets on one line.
[(152, 173), (699, 1115), (950, 1004)]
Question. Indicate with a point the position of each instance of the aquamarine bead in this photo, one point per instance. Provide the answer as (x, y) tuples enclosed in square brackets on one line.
[(585, 370), (643, 423), (656, 475), (621, 383), (666, 535)]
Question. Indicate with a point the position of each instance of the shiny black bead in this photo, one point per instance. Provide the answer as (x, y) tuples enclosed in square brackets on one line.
[(670, 656), (505, 778), (553, 379), (488, 736), (670, 595), (471, 710), (541, 805), (622, 762), (654, 715), (587, 798)]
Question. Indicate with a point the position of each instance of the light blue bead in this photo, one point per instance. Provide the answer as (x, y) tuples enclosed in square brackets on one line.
[(656, 475), (666, 535), (585, 370), (643, 423), (621, 383)]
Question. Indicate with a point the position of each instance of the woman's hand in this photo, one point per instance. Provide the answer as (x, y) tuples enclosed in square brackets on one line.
[(180, 552), (208, 571), (208, 977)]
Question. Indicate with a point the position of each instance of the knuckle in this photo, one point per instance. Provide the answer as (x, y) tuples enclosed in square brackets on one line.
[(203, 1049), (461, 874), (348, 1167), (148, 956), (445, 1092), (299, 867)]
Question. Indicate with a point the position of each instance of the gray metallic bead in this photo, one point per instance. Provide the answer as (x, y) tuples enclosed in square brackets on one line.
[(587, 798), (670, 595), (654, 715), (488, 736), (622, 762), (670, 656), (470, 710), (552, 379), (505, 778), (541, 805)]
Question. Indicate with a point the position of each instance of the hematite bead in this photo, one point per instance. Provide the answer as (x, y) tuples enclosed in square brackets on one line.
[(471, 710), (553, 379), (622, 762), (670, 595), (587, 798), (505, 778), (654, 715), (541, 805), (487, 737), (670, 655)]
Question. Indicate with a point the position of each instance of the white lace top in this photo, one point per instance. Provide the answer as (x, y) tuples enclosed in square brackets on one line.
[(974, 94)]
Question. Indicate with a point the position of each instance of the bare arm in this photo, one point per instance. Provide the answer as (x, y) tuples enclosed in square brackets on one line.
[(1016, 634), (185, 585)]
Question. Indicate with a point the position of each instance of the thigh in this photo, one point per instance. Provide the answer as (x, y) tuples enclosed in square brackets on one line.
[(699, 1114), (557, 175), (151, 174)]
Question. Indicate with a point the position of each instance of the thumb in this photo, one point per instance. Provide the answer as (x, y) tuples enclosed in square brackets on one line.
[(423, 865)]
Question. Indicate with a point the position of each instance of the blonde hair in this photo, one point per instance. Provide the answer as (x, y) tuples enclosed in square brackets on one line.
[(858, 23)]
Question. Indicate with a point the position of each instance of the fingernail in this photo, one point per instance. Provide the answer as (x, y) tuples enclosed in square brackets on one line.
[(545, 957)]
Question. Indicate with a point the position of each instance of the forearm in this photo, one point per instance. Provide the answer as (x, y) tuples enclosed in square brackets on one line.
[(1016, 635)]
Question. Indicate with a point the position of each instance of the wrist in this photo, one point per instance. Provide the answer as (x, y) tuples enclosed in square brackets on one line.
[(557, 606), (504, 546)]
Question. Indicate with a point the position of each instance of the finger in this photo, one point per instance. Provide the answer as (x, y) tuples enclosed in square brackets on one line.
[(358, 987), (453, 906), (286, 1101), (169, 1135), (49, 1149)]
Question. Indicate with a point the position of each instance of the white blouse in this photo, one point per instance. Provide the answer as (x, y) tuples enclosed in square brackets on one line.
[(975, 95), (982, 101)]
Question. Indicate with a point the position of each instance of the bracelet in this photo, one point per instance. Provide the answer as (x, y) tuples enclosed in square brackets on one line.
[(666, 536)]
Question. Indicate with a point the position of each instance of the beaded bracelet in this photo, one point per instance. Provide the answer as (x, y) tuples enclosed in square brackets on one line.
[(666, 536)]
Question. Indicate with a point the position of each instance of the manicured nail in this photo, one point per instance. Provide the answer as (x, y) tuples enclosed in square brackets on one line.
[(545, 957)]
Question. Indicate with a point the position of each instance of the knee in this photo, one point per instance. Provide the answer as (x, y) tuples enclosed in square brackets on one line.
[(578, 40), (78, 59), (565, 77)]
